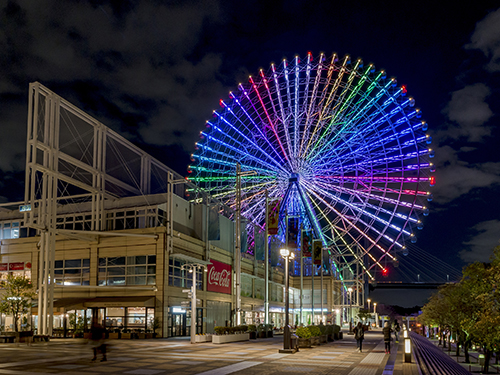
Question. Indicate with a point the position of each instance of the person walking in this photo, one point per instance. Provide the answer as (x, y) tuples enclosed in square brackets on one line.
[(397, 328), (359, 335), (97, 333), (387, 337)]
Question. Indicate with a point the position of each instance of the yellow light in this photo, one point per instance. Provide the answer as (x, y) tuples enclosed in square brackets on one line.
[(284, 252), (405, 334), (407, 346)]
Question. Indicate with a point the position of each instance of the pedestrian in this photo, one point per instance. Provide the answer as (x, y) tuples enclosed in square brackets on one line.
[(97, 333), (397, 328), (387, 337), (359, 335)]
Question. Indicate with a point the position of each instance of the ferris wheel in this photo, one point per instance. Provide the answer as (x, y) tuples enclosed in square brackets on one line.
[(340, 144)]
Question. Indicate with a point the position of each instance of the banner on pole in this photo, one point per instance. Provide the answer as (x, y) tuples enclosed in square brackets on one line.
[(213, 223), (293, 232), (260, 244), (306, 243), (273, 209), (243, 235), (317, 249)]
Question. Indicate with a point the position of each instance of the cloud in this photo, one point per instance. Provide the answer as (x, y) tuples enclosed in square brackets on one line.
[(469, 112), (455, 177), (141, 60), (480, 246), (486, 37)]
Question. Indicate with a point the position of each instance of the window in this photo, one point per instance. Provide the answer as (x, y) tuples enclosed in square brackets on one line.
[(9, 230), (183, 278), (72, 272), (133, 270), (133, 218)]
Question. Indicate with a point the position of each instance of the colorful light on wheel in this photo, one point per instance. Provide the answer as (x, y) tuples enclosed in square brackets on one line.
[(338, 142)]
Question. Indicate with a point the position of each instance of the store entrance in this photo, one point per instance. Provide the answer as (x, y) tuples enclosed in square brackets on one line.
[(178, 326)]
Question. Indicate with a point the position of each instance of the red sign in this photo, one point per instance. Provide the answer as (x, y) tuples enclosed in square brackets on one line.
[(219, 277), (4, 266), (19, 266)]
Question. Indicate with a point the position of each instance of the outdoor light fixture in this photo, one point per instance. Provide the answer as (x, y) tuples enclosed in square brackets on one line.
[(287, 255), (407, 347)]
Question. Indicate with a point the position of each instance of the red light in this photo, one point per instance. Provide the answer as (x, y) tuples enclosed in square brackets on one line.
[(221, 102), (432, 180), (385, 271), (403, 89)]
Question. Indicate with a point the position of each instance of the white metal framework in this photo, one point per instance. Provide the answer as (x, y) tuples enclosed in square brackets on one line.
[(73, 158)]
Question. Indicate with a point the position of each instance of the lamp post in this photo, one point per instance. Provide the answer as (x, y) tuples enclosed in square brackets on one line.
[(350, 309), (368, 300), (375, 312), (237, 250), (287, 255)]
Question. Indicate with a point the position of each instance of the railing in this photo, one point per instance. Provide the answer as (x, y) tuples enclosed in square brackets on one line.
[(432, 360)]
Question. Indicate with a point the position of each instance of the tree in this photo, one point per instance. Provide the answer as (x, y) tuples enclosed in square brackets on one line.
[(16, 299), (364, 315)]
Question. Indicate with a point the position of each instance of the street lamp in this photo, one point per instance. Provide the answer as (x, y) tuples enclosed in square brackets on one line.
[(350, 309), (368, 300), (375, 312), (287, 255)]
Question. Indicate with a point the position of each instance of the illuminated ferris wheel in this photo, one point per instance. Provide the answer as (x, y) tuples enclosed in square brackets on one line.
[(337, 142)]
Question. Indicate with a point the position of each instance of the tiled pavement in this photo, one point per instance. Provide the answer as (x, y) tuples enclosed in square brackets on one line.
[(178, 356)]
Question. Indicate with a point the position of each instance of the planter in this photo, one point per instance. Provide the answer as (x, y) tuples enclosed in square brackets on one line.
[(114, 335), (87, 335), (315, 340), (323, 339), (269, 334), (203, 338), (330, 338), (262, 334), (125, 335), (222, 339), (304, 343), (253, 335)]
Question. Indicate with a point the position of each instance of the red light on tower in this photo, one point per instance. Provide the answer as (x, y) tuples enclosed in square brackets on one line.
[(385, 272)]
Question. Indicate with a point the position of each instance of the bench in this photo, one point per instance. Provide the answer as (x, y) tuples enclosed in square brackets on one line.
[(7, 339), (432, 360)]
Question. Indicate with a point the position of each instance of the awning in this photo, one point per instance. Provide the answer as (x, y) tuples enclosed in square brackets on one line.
[(66, 304), (135, 301)]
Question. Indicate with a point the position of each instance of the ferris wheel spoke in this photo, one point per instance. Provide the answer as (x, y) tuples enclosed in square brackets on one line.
[(338, 143)]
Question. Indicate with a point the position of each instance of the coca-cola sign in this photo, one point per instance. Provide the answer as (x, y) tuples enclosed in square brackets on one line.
[(219, 277)]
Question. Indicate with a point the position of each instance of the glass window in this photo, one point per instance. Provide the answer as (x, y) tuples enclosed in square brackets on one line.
[(72, 271), (137, 269)]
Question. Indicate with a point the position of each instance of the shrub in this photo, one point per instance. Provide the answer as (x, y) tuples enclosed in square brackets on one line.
[(322, 329), (269, 327), (336, 328), (252, 328), (220, 330), (261, 327), (315, 331), (303, 332), (243, 328), (329, 329)]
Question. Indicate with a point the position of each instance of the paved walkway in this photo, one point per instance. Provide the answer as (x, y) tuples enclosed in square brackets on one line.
[(178, 356)]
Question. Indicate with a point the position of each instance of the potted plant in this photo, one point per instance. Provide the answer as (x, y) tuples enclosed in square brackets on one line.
[(337, 334), (269, 330), (323, 338), (155, 325), (126, 333), (329, 332), (304, 337), (252, 330), (114, 333), (230, 334), (261, 331), (315, 334)]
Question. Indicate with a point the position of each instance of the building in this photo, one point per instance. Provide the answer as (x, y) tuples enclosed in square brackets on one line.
[(107, 234)]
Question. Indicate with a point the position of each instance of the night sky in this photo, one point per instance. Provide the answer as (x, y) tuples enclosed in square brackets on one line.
[(154, 71)]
